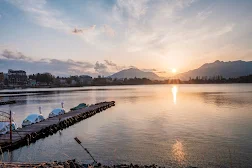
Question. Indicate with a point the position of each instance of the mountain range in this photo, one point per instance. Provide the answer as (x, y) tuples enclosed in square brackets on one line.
[(134, 72), (230, 69)]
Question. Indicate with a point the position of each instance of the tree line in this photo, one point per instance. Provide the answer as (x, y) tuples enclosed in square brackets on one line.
[(220, 79), (49, 79)]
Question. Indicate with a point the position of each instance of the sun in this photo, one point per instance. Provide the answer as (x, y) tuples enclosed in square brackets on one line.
[(174, 70)]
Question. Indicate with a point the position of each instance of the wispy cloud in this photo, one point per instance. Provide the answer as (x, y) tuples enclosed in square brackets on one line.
[(226, 29), (147, 23), (149, 70), (109, 30), (41, 14), (158, 28), (204, 14), (130, 9)]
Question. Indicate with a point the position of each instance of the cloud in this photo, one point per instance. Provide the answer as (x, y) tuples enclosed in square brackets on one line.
[(204, 14), (17, 60), (54, 67), (109, 31), (95, 35), (84, 30), (14, 55), (41, 14), (149, 70), (130, 9), (101, 68), (226, 29), (164, 29), (161, 72), (167, 33), (63, 68), (76, 31), (110, 63), (113, 66), (131, 66), (147, 24)]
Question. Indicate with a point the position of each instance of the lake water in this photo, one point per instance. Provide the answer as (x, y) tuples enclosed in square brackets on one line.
[(171, 125)]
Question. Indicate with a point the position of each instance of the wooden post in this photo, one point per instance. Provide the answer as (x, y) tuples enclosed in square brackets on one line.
[(79, 142), (10, 128)]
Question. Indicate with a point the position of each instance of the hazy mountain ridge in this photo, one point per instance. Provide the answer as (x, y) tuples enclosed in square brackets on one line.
[(134, 72), (230, 69)]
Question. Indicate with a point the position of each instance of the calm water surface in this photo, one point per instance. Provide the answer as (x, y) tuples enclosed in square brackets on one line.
[(172, 125)]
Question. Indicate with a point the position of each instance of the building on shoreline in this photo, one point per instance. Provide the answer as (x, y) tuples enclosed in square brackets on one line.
[(1, 79), (32, 83), (17, 78), (85, 80)]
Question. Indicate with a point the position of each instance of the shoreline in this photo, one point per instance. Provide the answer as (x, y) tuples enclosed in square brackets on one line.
[(74, 164)]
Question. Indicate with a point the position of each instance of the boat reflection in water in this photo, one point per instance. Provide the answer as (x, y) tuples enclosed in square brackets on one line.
[(174, 93), (178, 153)]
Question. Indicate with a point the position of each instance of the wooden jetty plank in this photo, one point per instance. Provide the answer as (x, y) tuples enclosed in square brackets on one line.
[(50, 126)]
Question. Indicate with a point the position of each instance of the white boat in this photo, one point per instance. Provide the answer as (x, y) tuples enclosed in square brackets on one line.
[(32, 119), (5, 126), (56, 112)]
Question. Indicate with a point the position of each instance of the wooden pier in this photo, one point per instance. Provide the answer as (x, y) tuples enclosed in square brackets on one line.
[(29, 134)]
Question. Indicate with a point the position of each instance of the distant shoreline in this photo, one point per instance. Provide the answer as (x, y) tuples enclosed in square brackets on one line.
[(15, 92)]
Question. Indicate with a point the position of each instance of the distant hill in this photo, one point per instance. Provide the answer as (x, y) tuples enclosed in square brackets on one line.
[(225, 69), (134, 72)]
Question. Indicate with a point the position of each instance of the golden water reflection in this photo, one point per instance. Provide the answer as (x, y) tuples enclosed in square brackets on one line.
[(174, 93), (178, 152)]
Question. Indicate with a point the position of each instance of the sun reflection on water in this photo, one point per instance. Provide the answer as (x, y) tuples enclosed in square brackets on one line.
[(174, 93), (178, 152)]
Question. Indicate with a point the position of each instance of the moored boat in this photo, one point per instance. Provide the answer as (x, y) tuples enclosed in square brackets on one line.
[(57, 111), (5, 127), (32, 119), (80, 106)]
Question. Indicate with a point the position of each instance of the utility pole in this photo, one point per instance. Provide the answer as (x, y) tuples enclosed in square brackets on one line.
[(10, 128)]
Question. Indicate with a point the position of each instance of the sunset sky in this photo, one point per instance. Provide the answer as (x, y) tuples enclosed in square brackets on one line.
[(67, 37)]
